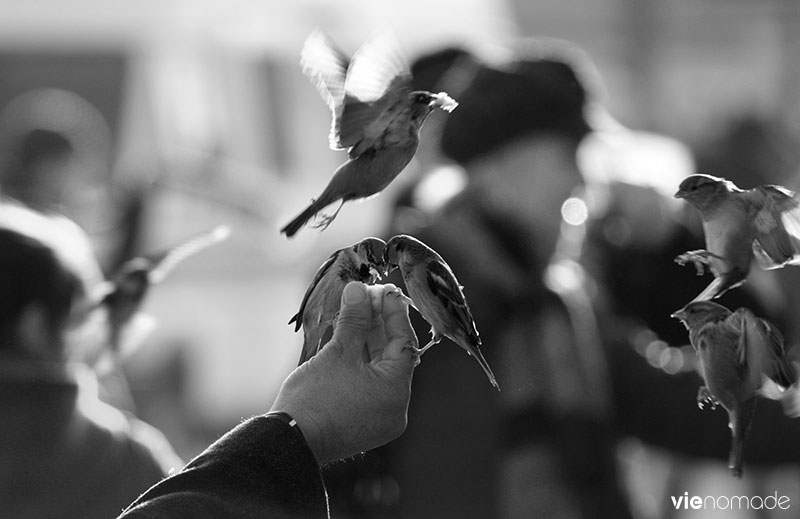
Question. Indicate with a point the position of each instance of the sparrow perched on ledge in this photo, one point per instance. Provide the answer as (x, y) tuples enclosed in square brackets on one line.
[(376, 118), (763, 222)]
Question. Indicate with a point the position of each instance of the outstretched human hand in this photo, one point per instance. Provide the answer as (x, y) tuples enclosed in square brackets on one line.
[(353, 395)]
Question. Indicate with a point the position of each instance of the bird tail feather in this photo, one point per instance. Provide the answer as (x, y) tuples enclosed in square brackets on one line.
[(476, 352), (291, 228), (297, 319), (739, 431)]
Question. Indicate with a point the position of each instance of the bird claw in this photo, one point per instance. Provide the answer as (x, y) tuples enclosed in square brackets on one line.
[(415, 353), (407, 300), (428, 346), (324, 221), (704, 397), (699, 258)]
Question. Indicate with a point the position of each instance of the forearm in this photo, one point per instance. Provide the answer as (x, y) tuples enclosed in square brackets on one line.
[(263, 465)]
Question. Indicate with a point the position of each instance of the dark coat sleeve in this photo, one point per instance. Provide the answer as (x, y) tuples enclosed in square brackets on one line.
[(262, 468)]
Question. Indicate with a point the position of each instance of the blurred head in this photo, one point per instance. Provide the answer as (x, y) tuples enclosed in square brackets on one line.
[(54, 149), (48, 274), (44, 160), (517, 129), (541, 88)]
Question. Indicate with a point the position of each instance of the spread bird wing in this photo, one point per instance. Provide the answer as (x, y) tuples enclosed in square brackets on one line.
[(761, 347), (326, 66), (165, 261), (777, 224), (444, 286), (378, 82), (318, 276)]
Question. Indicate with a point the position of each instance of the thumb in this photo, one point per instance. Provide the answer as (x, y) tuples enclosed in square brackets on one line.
[(355, 319)]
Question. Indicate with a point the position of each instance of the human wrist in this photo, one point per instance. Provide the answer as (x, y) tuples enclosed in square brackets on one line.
[(309, 427)]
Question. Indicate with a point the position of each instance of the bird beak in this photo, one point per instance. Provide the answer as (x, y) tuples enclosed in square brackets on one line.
[(680, 194), (387, 268), (680, 314), (385, 262)]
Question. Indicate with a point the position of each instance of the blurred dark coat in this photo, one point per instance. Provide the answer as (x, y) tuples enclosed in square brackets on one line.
[(64, 453), (543, 446)]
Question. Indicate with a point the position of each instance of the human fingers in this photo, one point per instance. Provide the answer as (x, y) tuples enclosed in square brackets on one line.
[(354, 321), (401, 339)]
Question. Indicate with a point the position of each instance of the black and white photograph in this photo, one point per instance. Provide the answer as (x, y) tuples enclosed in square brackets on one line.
[(375, 259)]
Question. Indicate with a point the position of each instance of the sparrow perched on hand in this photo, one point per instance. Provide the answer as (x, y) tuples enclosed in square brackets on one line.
[(376, 118), (736, 349), (124, 293), (359, 262), (763, 222), (436, 295)]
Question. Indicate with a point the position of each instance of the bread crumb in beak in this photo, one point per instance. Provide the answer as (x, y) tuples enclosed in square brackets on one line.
[(444, 101)]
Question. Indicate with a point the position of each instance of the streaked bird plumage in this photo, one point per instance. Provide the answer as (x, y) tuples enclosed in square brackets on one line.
[(436, 295), (362, 262)]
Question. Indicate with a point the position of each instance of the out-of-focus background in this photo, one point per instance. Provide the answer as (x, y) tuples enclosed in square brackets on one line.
[(195, 113)]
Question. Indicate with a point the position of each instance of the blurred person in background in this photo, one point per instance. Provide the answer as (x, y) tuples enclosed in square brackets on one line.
[(63, 452), (537, 285), (56, 156), (544, 445)]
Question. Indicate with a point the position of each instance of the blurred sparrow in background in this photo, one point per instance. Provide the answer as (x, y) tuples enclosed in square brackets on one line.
[(124, 294)]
